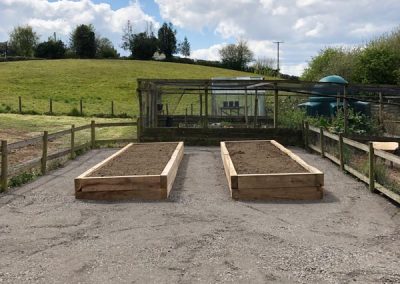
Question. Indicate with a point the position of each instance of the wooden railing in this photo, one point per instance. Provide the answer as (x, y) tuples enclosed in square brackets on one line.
[(323, 134), (42, 161)]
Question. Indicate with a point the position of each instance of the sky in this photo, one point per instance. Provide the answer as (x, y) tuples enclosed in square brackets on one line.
[(305, 26)]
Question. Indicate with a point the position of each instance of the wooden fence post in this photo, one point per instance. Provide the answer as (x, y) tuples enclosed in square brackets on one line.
[(19, 104), (112, 108), (341, 151), (206, 108), (276, 106), (191, 109), (81, 107), (186, 114), (93, 134), (246, 108), (371, 157), (345, 111), (255, 110), (51, 106), (44, 153), (4, 166), (166, 108), (201, 105), (139, 129), (321, 141), (380, 108), (72, 141), (337, 103), (306, 135)]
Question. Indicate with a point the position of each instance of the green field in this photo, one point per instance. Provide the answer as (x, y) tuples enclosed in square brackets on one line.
[(16, 127), (96, 82)]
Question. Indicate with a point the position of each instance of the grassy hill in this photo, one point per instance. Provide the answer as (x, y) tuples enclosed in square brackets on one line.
[(97, 82)]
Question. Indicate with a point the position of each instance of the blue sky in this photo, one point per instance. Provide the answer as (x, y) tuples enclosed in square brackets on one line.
[(306, 26)]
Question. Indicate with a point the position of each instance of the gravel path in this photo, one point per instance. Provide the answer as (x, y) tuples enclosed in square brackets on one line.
[(200, 235)]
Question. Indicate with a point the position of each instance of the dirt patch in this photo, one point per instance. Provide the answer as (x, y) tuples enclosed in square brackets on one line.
[(261, 158), (141, 159)]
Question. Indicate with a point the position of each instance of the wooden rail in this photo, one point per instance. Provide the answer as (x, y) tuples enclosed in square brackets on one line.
[(52, 110), (42, 161), (372, 153)]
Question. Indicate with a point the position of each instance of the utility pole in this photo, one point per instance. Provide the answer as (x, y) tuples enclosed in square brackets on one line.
[(278, 44)]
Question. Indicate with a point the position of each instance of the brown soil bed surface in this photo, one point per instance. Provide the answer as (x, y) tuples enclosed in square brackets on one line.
[(261, 158), (141, 159)]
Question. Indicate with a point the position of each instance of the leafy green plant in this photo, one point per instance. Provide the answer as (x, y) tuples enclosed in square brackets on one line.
[(23, 178), (358, 123)]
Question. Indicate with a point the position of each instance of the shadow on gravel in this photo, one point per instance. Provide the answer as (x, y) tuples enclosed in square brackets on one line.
[(329, 197)]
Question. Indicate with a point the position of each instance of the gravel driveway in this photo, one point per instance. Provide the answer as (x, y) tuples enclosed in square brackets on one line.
[(200, 235)]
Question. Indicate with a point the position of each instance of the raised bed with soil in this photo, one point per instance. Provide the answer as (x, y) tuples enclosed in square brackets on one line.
[(144, 171), (265, 170)]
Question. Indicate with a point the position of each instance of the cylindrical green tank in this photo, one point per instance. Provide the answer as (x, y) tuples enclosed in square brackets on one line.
[(327, 106)]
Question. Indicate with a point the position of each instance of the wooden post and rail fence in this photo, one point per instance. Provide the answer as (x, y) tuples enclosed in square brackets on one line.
[(51, 107), (45, 157), (322, 135)]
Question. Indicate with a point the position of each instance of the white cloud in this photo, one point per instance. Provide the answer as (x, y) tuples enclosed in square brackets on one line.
[(293, 69), (280, 10), (300, 23), (211, 53), (62, 16)]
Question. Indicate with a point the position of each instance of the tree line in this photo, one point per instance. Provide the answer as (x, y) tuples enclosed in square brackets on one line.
[(84, 42), (376, 62), (162, 44)]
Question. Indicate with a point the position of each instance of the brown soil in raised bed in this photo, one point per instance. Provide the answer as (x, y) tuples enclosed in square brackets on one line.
[(261, 158), (140, 159)]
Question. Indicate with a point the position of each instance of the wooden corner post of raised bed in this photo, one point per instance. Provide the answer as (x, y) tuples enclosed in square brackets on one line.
[(230, 171), (4, 165)]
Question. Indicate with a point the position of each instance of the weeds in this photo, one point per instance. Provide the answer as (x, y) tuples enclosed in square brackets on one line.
[(74, 112), (23, 178)]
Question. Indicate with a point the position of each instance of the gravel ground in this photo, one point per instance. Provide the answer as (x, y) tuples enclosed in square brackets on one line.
[(200, 235)]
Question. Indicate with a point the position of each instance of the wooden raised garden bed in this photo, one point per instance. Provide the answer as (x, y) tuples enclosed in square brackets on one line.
[(265, 170), (144, 171)]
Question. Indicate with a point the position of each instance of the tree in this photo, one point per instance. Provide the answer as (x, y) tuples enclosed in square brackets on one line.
[(184, 48), (167, 40), (332, 60), (105, 48), (51, 49), (3, 48), (141, 45), (23, 41), (265, 66), (236, 56), (128, 38), (377, 65), (83, 41), (144, 46)]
